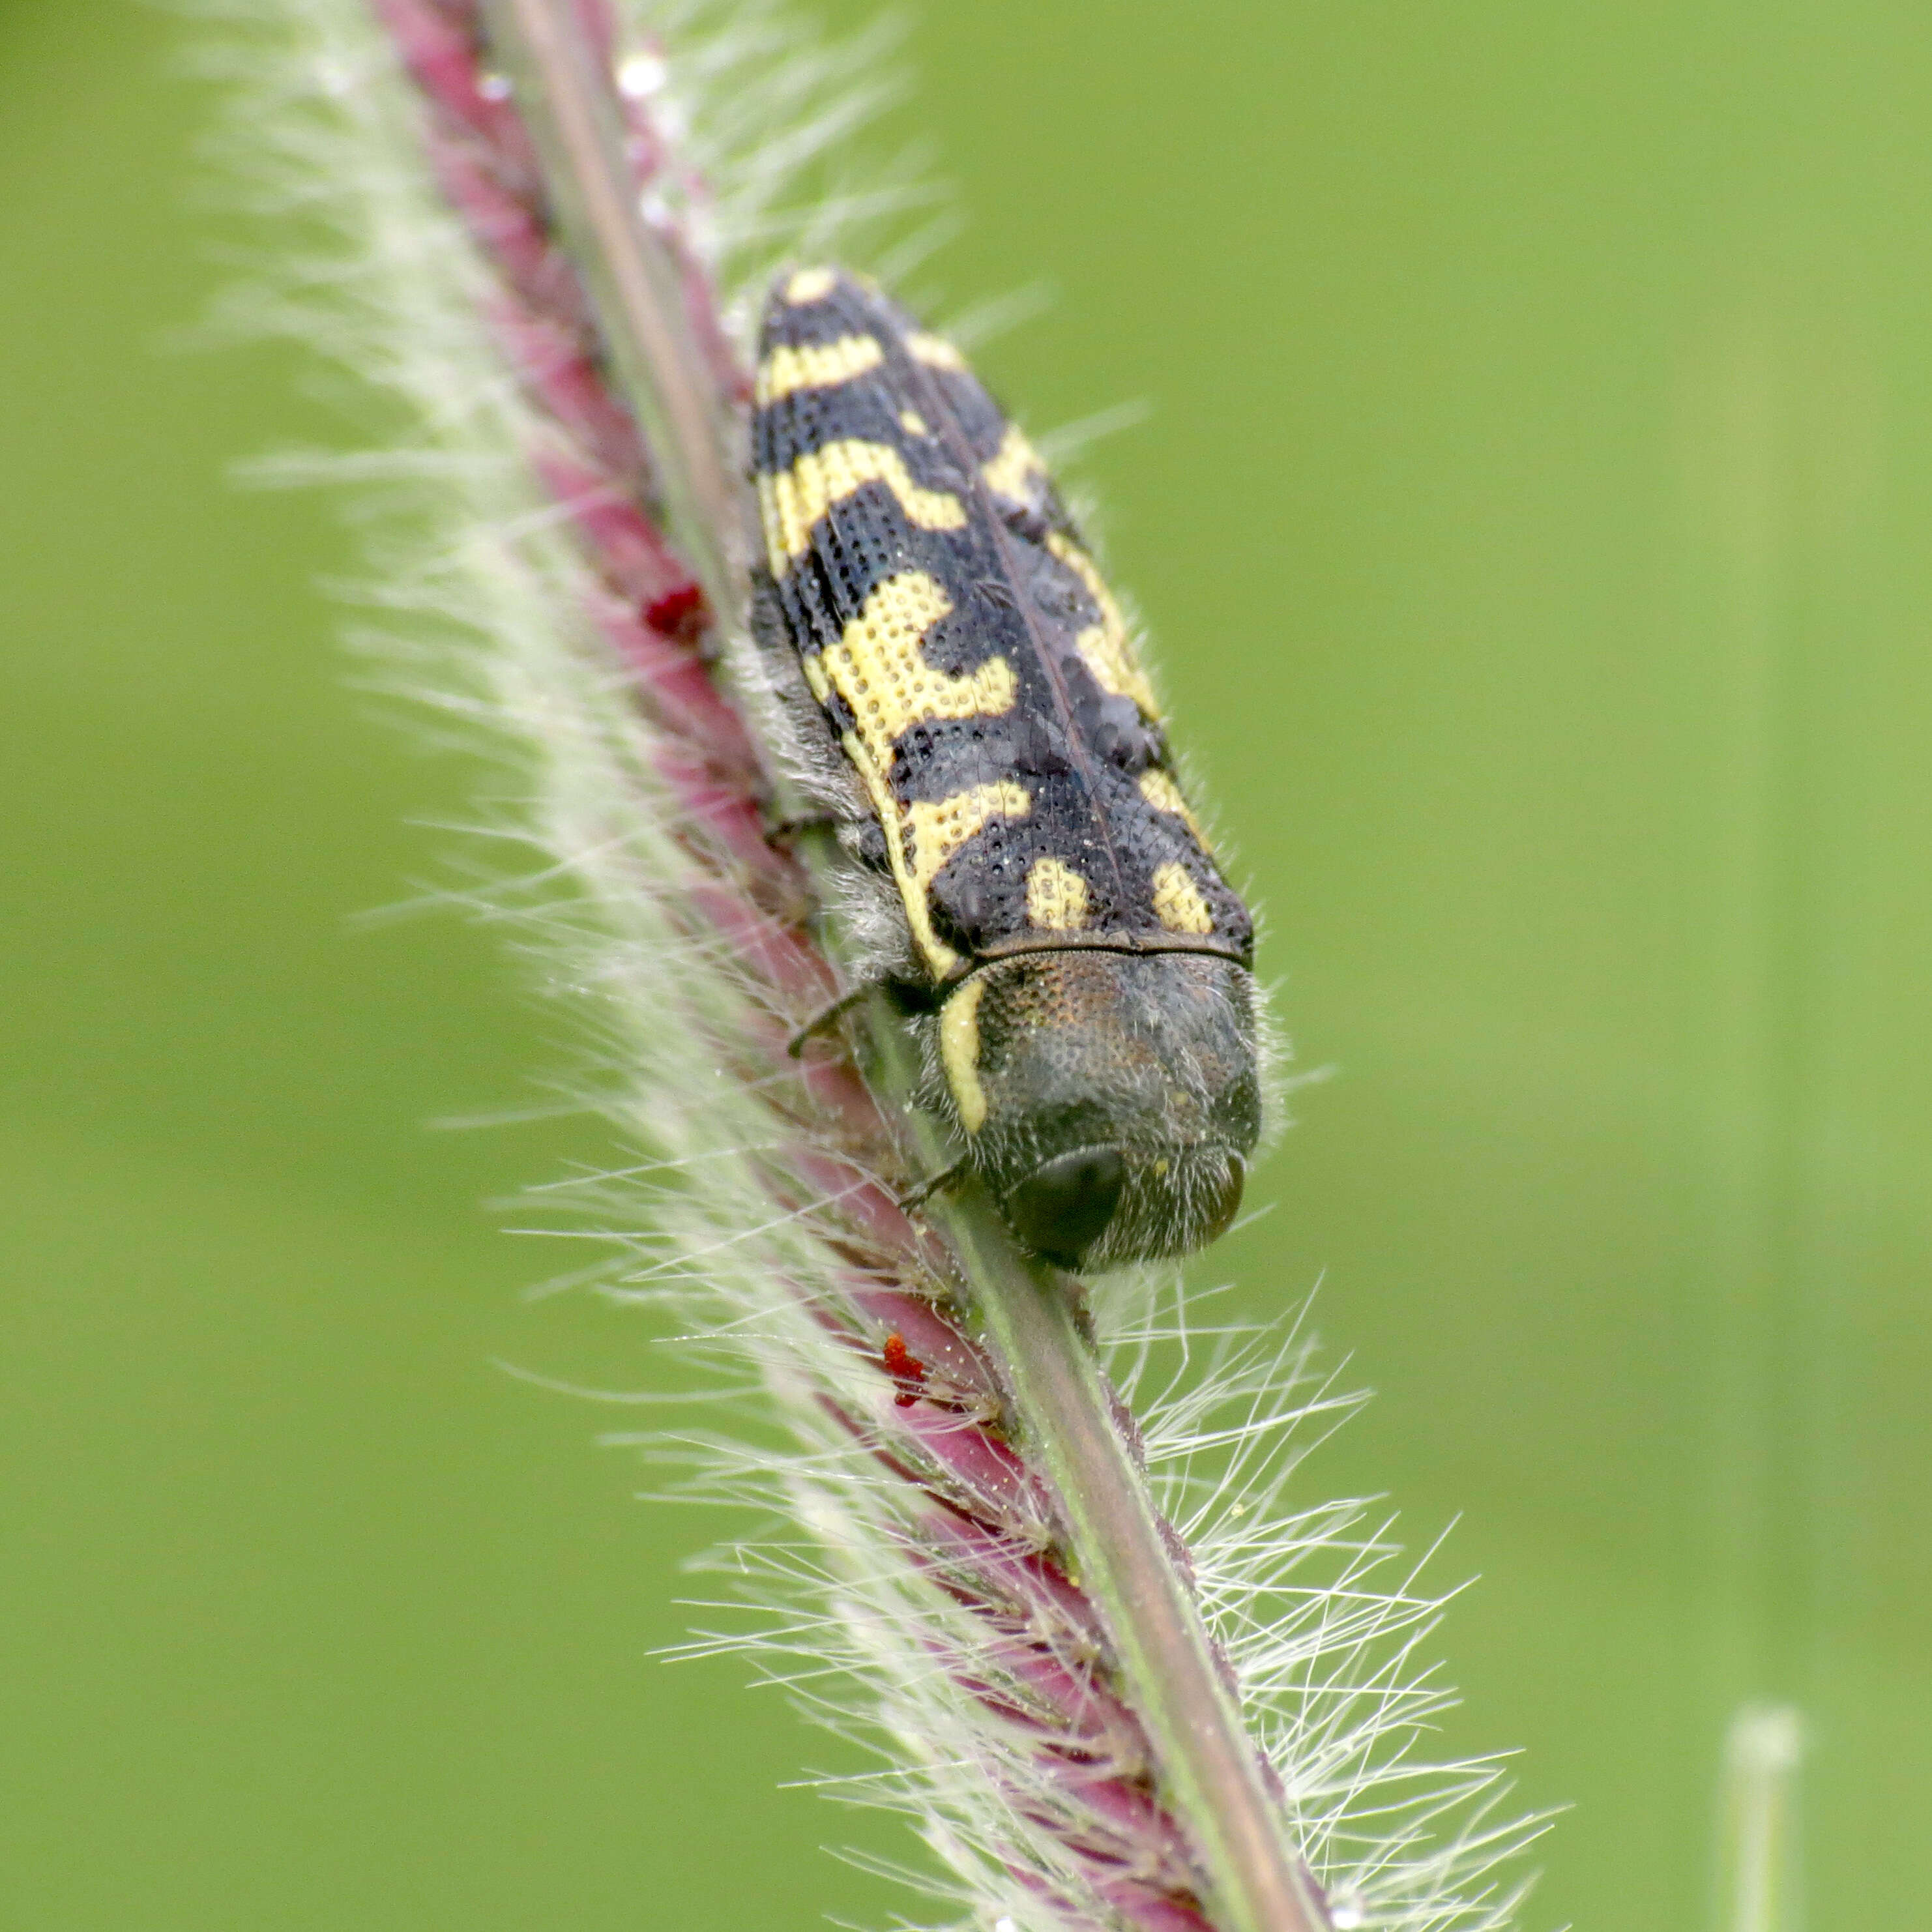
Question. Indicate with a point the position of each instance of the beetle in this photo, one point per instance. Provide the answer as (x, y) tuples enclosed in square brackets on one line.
[(967, 688)]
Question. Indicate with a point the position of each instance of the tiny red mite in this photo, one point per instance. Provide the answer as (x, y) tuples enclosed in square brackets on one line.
[(905, 1368)]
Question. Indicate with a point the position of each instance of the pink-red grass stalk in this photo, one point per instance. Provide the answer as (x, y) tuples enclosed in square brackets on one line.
[(977, 1524)]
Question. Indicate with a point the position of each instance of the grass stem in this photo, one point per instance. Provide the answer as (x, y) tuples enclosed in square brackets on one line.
[(1207, 1768)]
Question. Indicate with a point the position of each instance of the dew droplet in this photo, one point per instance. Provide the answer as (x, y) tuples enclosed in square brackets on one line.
[(333, 77), (494, 86), (639, 76)]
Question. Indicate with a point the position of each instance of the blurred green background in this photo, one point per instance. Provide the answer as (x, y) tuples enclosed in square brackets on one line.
[(1534, 516)]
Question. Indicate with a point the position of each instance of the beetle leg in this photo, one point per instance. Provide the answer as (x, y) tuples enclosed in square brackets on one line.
[(829, 1016), (914, 1197)]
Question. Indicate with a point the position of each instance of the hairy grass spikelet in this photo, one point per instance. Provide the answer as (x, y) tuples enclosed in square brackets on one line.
[(541, 582)]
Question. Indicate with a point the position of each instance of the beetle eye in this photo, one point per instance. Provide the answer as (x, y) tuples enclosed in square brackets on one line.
[(1062, 1209), (1228, 1204)]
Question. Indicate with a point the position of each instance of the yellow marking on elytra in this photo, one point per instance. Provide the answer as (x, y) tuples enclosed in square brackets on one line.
[(913, 423), (1178, 903), (939, 955), (816, 365), (1057, 896), (810, 285), (934, 351), (1012, 470), (1162, 793), (959, 1053), (794, 500), (1108, 650), (937, 831), (879, 668), (767, 487)]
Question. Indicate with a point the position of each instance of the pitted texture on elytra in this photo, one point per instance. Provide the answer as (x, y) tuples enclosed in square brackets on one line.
[(967, 655)]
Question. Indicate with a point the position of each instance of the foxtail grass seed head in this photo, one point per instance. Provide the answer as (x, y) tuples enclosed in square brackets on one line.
[(1047, 1549), (1759, 1826)]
